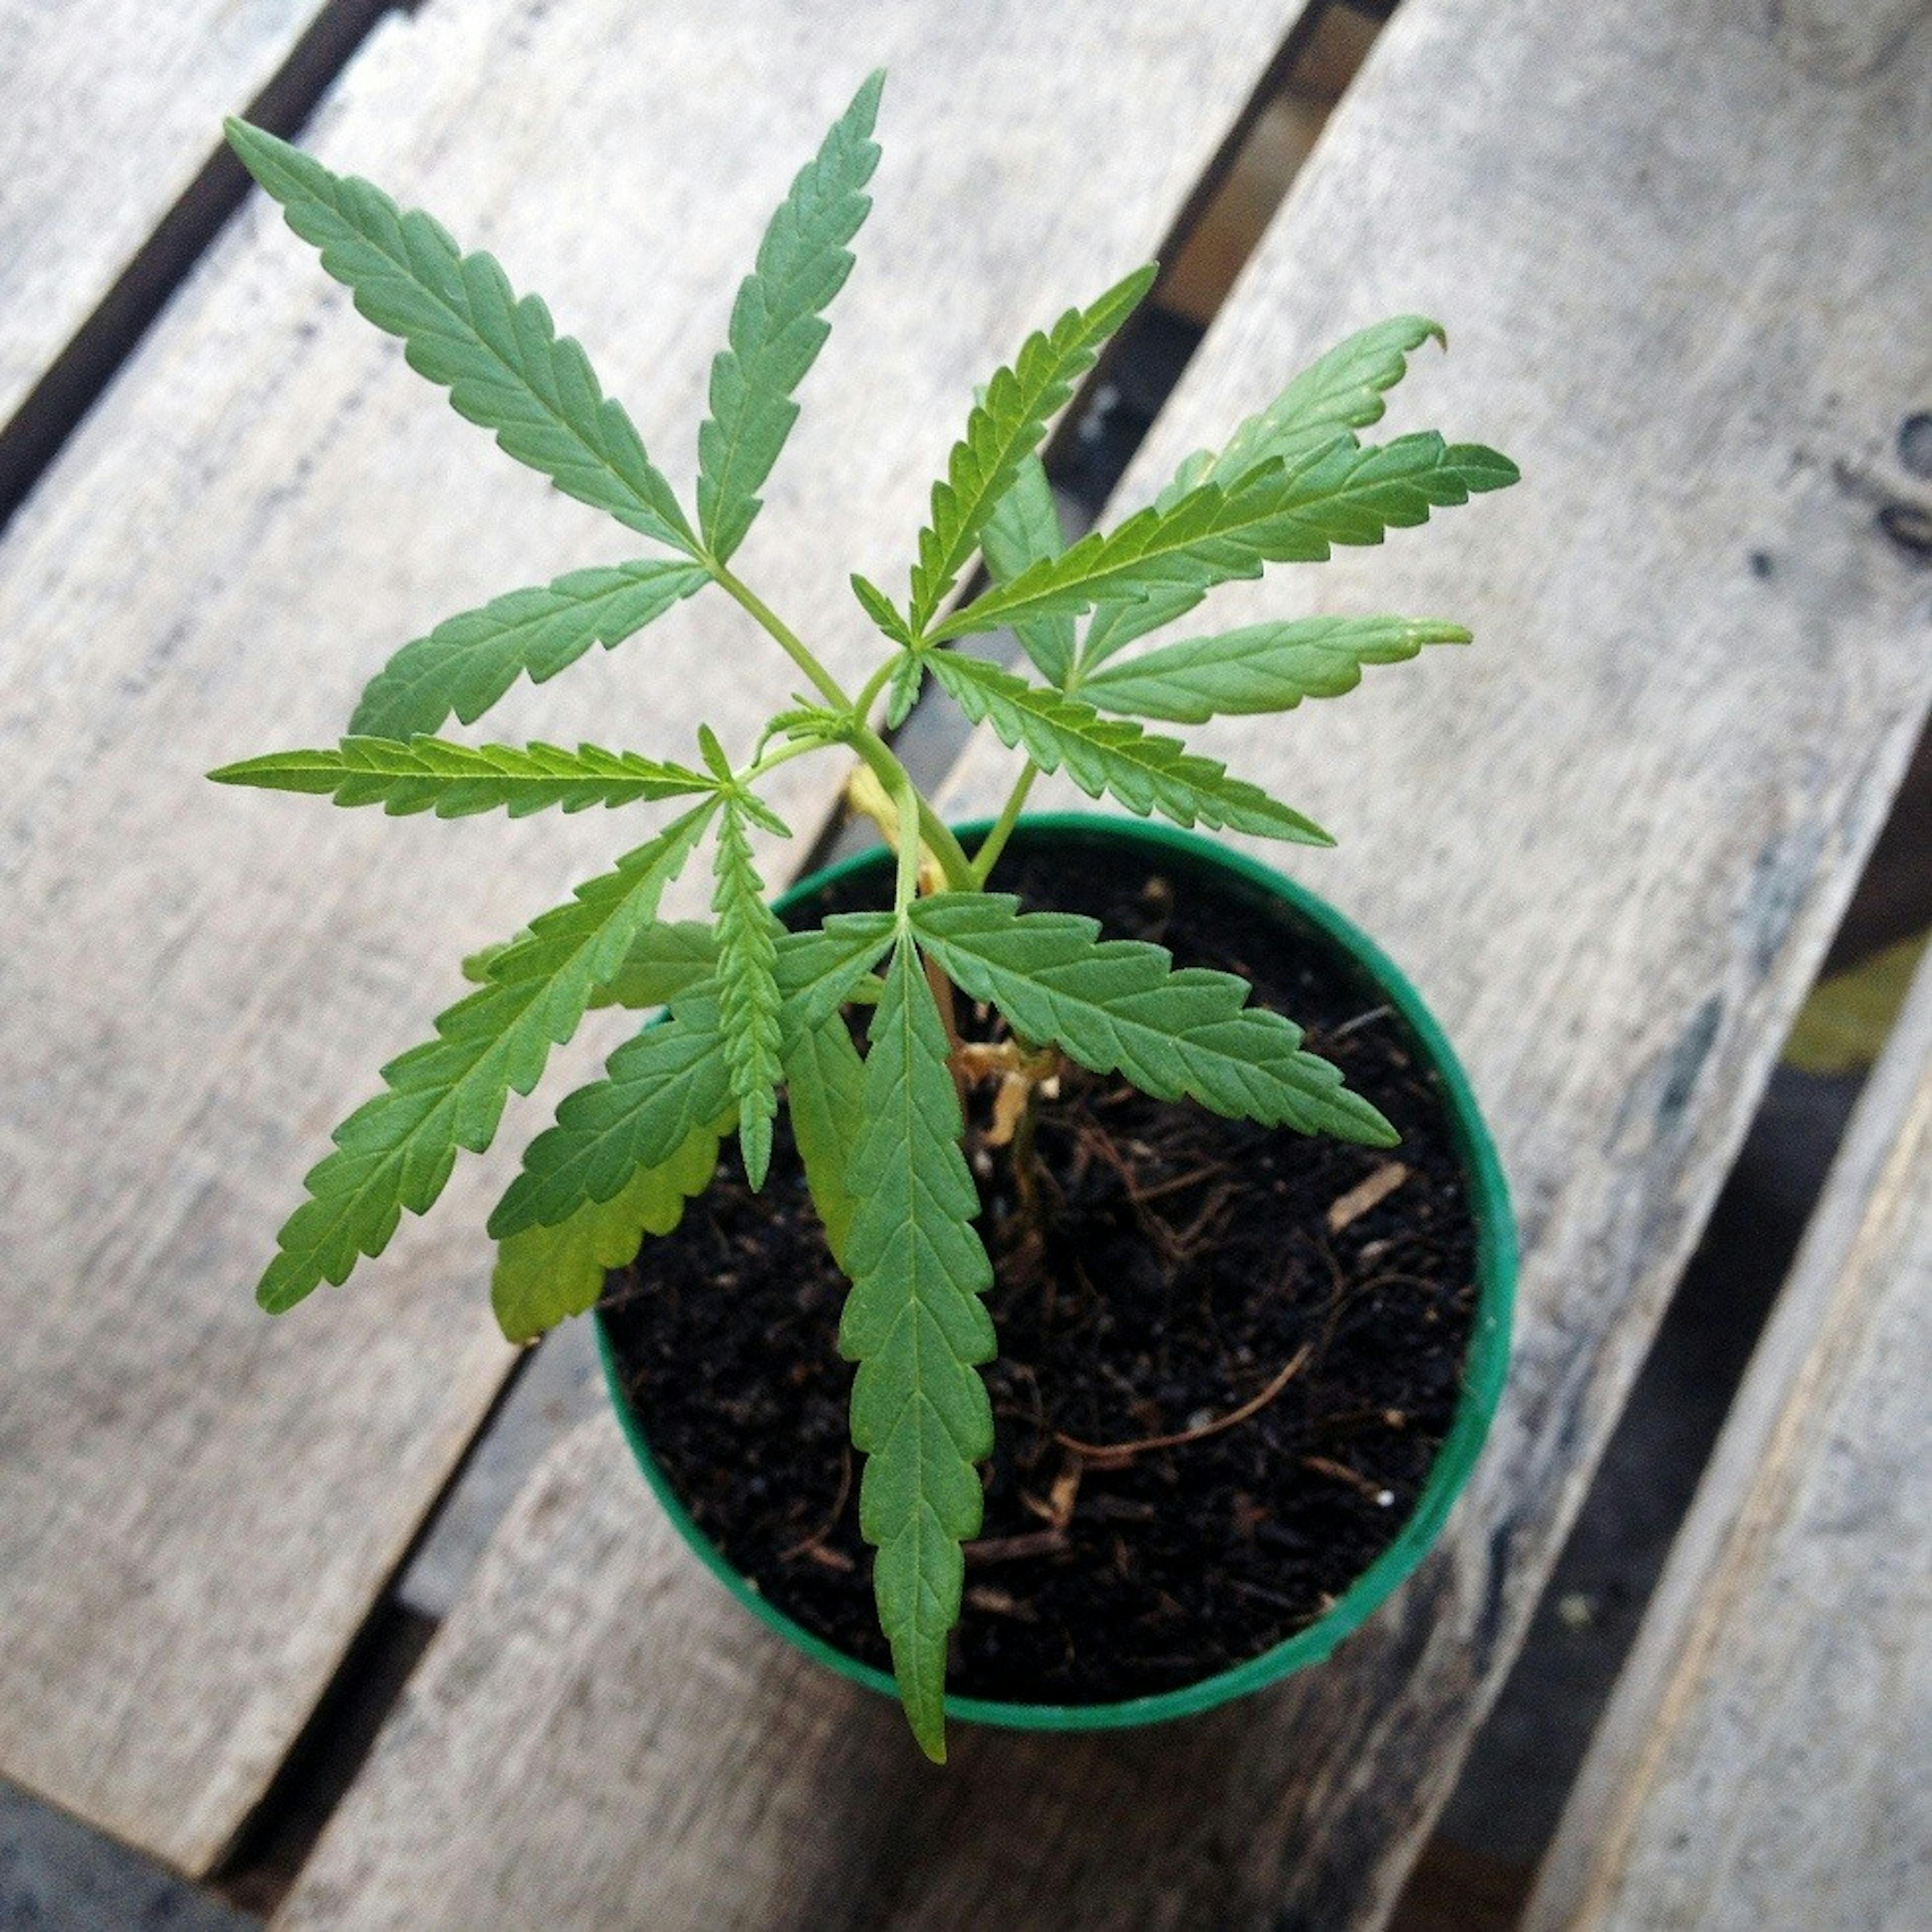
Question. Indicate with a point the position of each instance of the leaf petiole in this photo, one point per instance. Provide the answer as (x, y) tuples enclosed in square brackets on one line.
[(933, 830), (994, 842), (787, 639)]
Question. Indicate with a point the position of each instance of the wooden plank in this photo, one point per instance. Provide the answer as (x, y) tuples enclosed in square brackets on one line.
[(1610, 843), (110, 108), (1763, 1760), (197, 1505)]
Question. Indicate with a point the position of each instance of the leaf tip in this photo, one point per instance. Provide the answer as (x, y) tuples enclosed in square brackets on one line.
[(754, 1142)]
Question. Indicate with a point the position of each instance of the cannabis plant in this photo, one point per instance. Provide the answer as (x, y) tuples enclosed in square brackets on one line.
[(751, 1012)]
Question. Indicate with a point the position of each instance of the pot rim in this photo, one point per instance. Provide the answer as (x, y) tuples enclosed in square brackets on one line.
[(1483, 1371)]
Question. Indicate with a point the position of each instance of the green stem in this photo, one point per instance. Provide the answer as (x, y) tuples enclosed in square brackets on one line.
[(932, 829), (906, 888), (788, 639), (861, 706), (792, 748), (994, 842)]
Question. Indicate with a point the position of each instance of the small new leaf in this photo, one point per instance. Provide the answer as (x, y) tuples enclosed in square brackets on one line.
[(747, 990), (777, 324), (1004, 427), (1341, 494), (544, 1275), (1146, 773), (669, 1081), (468, 661), (396, 1152), (880, 608), (1025, 529), (463, 326), (825, 1090), (916, 1326), (1263, 667), (456, 781), (908, 673), (1118, 1006)]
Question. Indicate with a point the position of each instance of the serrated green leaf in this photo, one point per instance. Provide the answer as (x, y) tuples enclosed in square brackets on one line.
[(908, 673), (456, 781), (1343, 390), (1263, 667), (470, 660), (916, 1326), (1025, 529), (673, 1078), (712, 753), (777, 324), (825, 1091), (1341, 393), (1007, 425), (544, 1275), (1118, 1006), (747, 990), (667, 957), (1146, 773), (396, 1151), (877, 606), (1341, 495), (464, 327)]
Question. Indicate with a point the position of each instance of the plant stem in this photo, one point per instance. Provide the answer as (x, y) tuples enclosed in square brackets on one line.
[(862, 704), (994, 842), (788, 639), (792, 749), (906, 887), (933, 829)]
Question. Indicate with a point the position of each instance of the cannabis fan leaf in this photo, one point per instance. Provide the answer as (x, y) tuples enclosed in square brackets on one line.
[(1003, 431), (464, 327), (468, 662), (545, 1275), (746, 1026), (396, 1151), (1262, 668), (454, 781), (1102, 754), (1117, 1005), (915, 1325), (1340, 393), (777, 328), (1278, 513)]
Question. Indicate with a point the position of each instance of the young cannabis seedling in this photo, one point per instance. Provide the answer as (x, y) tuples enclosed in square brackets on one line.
[(752, 1012)]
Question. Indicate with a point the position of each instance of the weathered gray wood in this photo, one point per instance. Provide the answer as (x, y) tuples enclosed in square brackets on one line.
[(108, 109), (196, 1505), (1764, 1761), (1610, 843)]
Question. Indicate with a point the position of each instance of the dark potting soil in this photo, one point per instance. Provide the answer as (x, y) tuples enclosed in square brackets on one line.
[(1191, 1277)]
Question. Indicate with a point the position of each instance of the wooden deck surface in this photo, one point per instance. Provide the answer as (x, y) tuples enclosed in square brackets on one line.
[(1766, 1761), (111, 109), (1610, 844), (198, 1506)]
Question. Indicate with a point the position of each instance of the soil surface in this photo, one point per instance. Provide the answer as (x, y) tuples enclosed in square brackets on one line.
[(1240, 1288)]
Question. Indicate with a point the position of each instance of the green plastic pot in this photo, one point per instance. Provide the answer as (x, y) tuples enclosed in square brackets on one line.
[(1303, 918)]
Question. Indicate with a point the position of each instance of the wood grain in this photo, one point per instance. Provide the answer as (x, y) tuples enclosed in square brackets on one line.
[(109, 108), (1763, 1761), (197, 1505), (1610, 843)]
